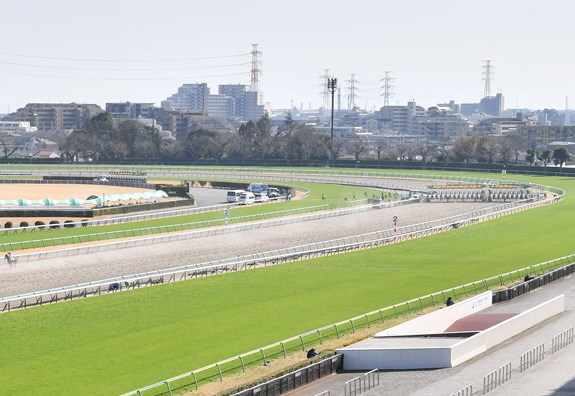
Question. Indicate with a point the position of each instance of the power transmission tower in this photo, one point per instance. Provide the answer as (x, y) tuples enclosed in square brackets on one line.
[(488, 75), (256, 70), (351, 89), (325, 91), (387, 88)]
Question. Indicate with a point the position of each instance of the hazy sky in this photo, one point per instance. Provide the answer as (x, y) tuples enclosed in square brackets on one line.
[(142, 51)]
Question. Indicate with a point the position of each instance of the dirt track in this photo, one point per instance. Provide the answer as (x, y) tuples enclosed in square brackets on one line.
[(51, 273)]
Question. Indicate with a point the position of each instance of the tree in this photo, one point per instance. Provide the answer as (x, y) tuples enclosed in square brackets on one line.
[(357, 146), (531, 156), (505, 151), (8, 151), (545, 157), (444, 150), (380, 148), (560, 156), (402, 153), (465, 148), (423, 150), (487, 148)]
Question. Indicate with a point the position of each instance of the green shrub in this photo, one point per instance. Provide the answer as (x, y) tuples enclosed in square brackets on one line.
[(24, 224), (40, 224), (8, 224), (54, 224), (69, 224), (84, 222)]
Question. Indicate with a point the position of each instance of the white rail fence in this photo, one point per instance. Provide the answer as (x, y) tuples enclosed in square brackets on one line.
[(142, 232), (274, 257)]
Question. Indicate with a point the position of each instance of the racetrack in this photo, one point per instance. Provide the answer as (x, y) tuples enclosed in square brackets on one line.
[(57, 272)]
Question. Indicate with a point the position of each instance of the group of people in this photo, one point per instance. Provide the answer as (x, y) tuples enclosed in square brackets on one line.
[(10, 259)]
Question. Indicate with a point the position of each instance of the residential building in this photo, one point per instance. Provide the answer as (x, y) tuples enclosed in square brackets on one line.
[(50, 116), (531, 135), (492, 105), (18, 127), (131, 110), (192, 97), (401, 118)]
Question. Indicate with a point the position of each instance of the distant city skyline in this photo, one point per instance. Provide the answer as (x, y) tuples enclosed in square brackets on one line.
[(142, 51)]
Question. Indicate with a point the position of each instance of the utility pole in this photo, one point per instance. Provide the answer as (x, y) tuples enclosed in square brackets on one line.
[(332, 86)]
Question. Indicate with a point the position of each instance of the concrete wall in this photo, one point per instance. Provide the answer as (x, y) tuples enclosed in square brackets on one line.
[(440, 356), (437, 321), (484, 340), (395, 358)]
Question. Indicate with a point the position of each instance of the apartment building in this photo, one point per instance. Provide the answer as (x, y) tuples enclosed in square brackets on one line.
[(51, 116)]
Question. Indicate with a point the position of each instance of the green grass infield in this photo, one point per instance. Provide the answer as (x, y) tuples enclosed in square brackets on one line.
[(120, 342)]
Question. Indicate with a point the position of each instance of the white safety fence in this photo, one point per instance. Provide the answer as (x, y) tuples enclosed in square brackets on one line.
[(274, 257), (143, 232)]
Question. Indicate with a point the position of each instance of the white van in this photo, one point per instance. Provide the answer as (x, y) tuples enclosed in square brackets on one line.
[(246, 198), (258, 187), (234, 195), (261, 197)]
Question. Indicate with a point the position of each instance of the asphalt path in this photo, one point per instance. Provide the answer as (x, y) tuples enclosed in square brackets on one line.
[(552, 376)]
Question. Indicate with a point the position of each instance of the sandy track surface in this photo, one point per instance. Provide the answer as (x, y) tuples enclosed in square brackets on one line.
[(51, 273)]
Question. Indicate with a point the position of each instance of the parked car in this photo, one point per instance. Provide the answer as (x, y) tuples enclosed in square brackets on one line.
[(100, 179), (246, 198), (377, 203), (261, 197)]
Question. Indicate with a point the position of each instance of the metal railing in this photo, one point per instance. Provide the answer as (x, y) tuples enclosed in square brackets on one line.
[(370, 379), (561, 340), (467, 391), (142, 232), (352, 387), (178, 232), (274, 257), (531, 357), (496, 378)]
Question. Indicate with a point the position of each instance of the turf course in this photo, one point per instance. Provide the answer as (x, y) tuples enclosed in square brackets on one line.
[(116, 343)]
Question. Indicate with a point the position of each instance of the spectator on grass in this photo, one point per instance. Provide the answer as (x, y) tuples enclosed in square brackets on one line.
[(311, 353), (322, 197), (449, 302), (527, 278)]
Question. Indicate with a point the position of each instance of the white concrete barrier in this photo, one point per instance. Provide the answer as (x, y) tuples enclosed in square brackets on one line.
[(436, 322), (405, 347)]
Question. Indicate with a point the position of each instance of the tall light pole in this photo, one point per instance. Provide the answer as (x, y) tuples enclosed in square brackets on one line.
[(332, 86)]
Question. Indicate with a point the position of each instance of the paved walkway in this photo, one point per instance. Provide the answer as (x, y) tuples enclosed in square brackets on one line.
[(553, 376)]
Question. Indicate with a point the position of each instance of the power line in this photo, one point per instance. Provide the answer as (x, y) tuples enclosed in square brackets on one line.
[(124, 60), (124, 70)]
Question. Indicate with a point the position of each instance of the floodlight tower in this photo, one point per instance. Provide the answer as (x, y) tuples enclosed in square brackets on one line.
[(332, 86)]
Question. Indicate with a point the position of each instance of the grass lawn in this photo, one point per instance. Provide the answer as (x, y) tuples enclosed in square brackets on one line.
[(335, 195), (120, 342)]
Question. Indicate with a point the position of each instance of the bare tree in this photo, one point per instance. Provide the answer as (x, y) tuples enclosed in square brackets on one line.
[(8, 147), (424, 149), (357, 146)]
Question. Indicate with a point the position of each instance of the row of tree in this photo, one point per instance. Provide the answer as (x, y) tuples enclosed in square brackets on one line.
[(261, 140)]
